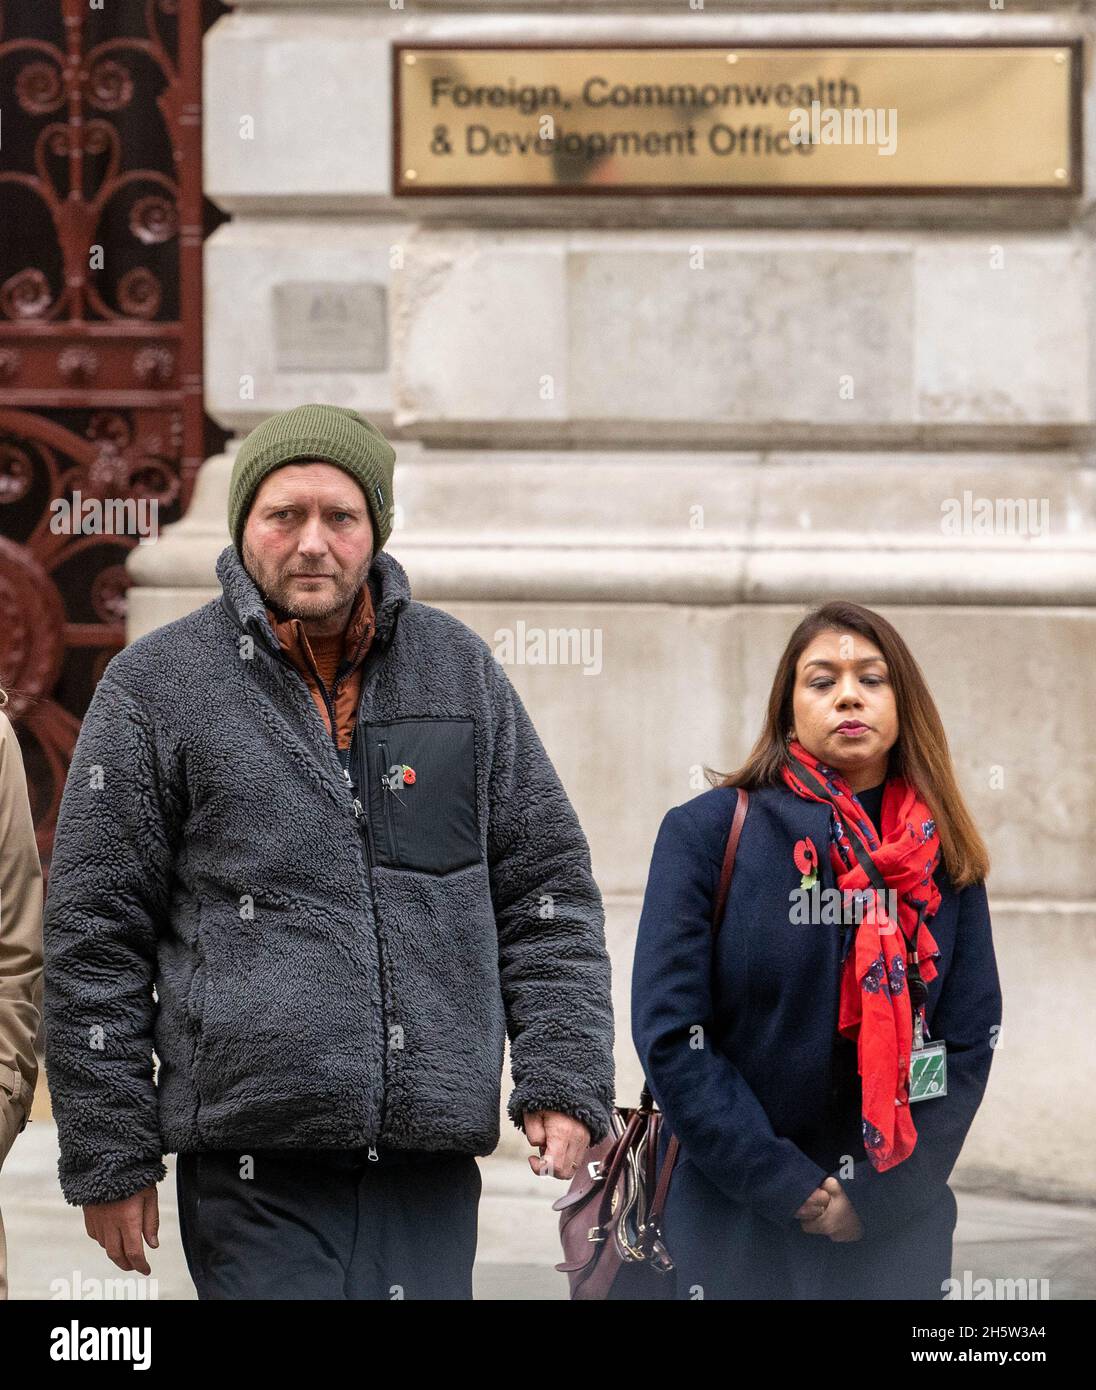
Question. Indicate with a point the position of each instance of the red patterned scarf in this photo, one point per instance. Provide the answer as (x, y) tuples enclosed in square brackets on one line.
[(874, 986)]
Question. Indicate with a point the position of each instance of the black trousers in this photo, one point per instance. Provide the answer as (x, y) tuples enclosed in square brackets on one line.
[(328, 1223)]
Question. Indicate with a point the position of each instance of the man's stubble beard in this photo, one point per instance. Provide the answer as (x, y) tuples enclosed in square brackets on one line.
[(275, 587)]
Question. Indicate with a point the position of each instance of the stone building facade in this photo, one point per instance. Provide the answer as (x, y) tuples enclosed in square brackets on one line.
[(602, 433)]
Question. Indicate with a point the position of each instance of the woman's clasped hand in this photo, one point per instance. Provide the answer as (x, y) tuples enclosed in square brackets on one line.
[(828, 1212)]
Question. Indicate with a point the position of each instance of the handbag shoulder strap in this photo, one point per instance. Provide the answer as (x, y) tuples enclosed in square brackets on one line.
[(729, 857), (646, 1100), (727, 872)]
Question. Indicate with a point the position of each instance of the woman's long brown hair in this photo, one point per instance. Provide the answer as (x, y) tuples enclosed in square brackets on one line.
[(921, 754)]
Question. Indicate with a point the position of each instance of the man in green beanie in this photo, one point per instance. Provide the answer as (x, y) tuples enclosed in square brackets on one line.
[(322, 432), (274, 474), (315, 818), (309, 505)]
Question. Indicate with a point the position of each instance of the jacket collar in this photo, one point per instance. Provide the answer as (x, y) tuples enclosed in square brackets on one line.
[(387, 580)]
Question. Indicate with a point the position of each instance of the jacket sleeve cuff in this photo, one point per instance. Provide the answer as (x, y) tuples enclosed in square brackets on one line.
[(592, 1110), (781, 1199), (111, 1182)]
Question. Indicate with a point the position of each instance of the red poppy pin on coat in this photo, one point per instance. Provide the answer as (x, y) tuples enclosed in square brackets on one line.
[(806, 861), (398, 775)]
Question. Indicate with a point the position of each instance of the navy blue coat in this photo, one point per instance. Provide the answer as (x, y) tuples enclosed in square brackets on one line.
[(769, 1105)]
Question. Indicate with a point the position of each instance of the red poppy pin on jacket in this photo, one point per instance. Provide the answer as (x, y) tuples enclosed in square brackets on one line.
[(806, 861)]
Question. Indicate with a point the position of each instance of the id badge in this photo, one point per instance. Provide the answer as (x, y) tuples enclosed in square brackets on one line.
[(928, 1072)]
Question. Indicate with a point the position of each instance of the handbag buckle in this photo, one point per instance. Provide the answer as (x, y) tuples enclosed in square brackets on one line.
[(595, 1233), (594, 1169)]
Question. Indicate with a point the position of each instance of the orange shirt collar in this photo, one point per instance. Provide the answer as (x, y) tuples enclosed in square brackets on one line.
[(356, 638)]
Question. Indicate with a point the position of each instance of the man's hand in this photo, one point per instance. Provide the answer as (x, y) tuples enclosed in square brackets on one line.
[(565, 1138), (120, 1226), (828, 1212)]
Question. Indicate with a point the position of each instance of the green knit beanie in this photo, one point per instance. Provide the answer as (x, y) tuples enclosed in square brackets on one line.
[(326, 432)]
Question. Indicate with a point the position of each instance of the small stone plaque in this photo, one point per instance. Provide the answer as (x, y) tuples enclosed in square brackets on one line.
[(328, 326)]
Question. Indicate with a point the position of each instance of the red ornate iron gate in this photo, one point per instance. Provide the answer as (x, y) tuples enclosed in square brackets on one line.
[(101, 225)]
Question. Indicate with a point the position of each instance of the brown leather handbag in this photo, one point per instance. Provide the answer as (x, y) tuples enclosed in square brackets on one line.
[(610, 1216)]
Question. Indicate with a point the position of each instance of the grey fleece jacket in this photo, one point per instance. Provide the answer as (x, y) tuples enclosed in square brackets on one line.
[(336, 957)]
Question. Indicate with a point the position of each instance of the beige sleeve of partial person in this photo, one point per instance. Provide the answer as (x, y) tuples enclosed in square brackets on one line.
[(20, 926)]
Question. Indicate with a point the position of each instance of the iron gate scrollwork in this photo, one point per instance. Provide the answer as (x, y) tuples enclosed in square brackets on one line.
[(101, 226)]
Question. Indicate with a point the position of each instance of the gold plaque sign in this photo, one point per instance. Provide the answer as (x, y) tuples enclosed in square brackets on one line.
[(866, 119)]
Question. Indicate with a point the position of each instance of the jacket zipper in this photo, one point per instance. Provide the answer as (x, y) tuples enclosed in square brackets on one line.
[(362, 824), (361, 821), (372, 661), (328, 700)]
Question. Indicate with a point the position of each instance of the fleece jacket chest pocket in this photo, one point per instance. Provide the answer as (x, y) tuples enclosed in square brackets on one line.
[(422, 793)]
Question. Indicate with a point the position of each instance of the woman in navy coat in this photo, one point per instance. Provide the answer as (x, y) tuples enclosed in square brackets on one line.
[(808, 1168)]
